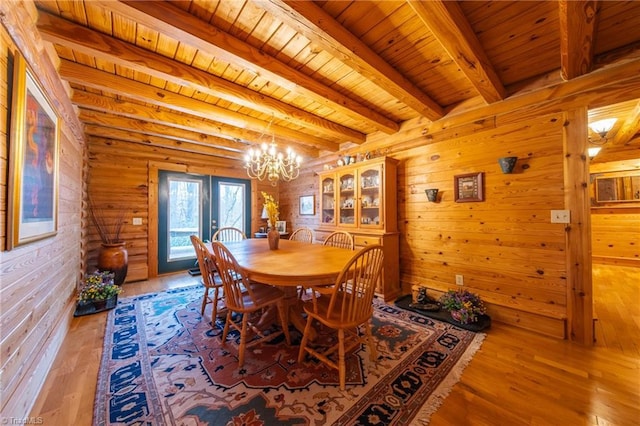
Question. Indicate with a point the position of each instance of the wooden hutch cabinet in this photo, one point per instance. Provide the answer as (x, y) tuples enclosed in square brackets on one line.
[(361, 199)]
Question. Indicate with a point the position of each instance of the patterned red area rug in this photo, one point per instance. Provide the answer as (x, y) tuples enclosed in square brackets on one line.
[(163, 364)]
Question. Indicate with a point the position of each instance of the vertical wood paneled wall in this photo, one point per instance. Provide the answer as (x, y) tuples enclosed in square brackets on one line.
[(39, 279)]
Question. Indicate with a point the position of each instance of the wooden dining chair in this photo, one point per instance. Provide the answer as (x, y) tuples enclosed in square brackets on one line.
[(246, 297), (210, 278), (348, 305), (302, 234), (340, 239), (228, 233)]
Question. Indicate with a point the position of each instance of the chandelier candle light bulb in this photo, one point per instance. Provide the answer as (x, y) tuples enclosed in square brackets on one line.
[(268, 163)]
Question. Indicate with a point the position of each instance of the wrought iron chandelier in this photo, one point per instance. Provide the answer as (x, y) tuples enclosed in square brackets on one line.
[(267, 163)]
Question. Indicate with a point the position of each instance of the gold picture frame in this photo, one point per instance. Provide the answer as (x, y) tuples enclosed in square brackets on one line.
[(33, 160), (468, 187)]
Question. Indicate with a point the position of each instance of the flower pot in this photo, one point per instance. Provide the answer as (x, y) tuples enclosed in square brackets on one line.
[(507, 164), (273, 236), (94, 306), (432, 194), (114, 258)]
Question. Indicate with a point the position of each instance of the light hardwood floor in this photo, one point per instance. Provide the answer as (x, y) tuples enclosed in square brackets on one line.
[(516, 378)]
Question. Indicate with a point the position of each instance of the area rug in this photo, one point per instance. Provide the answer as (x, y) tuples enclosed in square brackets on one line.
[(164, 364)]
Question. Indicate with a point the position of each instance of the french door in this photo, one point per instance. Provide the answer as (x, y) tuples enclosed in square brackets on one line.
[(196, 204)]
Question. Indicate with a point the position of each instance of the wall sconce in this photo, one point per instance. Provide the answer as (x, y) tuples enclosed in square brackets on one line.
[(602, 127), (593, 151), (432, 194), (507, 164)]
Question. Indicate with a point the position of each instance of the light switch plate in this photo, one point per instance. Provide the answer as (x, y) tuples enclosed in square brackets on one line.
[(560, 216), (137, 221)]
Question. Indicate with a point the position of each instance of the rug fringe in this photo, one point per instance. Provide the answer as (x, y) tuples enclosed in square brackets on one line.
[(423, 417)]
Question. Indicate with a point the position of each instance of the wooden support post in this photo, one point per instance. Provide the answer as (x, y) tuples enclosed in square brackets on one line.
[(578, 241)]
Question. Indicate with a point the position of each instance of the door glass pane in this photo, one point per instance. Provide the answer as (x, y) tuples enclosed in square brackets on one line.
[(231, 208), (184, 217)]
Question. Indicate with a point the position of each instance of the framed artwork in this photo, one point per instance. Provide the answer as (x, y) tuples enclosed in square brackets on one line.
[(468, 187), (281, 226), (307, 205), (33, 160)]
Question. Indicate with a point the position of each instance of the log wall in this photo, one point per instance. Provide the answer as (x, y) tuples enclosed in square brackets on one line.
[(615, 227), (124, 175), (505, 246), (39, 279)]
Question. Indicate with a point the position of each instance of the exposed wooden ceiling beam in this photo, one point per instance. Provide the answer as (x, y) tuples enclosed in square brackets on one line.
[(93, 43), (101, 80), (320, 27), (629, 128), (184, 27), (150, 114), (141, 138), (448, 24), (596, 89), (577, 26), (140, 126), (115, 121)]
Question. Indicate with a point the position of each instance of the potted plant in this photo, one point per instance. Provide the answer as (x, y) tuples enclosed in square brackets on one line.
[(113, 255), (465, 307), (98, 293)]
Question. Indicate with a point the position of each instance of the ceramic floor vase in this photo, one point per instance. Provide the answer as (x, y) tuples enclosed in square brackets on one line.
[(114, 258)]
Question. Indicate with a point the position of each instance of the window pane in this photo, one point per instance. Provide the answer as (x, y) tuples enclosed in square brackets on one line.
[(231, 205), (184, 217)]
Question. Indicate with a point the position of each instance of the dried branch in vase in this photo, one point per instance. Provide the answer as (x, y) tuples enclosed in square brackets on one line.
[(109, 227)]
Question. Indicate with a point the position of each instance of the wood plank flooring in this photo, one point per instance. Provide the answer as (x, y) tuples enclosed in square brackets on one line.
[(516, 378)]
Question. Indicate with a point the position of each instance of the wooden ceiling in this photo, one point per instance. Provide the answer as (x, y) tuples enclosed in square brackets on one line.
[(217, 76)]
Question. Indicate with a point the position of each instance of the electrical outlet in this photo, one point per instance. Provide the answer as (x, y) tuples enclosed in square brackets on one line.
[(459, 279), (560, 216)]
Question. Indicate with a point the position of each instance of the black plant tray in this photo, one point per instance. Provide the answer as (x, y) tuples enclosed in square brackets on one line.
[(88, 308), (484, 321)]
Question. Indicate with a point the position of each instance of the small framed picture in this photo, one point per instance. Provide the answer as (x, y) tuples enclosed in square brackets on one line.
[(33, 160), (468, 187), (307, 205), (281, 226)]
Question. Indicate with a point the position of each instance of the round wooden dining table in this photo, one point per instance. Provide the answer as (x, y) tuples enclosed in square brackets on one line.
[(293, 264)]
